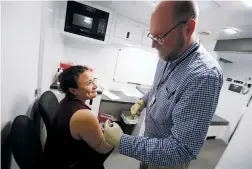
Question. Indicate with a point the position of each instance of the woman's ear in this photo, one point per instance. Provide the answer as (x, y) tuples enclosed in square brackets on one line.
[(73, 91)]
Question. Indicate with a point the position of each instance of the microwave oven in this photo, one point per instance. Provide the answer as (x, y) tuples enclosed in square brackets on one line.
[(87, 20)]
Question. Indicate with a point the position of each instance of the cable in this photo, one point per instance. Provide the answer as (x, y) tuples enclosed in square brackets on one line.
[(244, 92)]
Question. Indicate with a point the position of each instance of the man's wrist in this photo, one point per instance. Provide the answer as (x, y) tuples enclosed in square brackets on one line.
[(117, 143), (126, 145), (144, 100), (140, 101)]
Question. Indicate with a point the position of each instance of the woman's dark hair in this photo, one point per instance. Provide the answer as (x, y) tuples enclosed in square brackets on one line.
[(68, 78)]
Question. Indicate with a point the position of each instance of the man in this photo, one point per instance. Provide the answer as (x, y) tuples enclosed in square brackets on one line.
[(184, 95)]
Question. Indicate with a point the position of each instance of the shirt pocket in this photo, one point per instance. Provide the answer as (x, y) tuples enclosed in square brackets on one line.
[(167, 95), (166, 104), (170, 92)]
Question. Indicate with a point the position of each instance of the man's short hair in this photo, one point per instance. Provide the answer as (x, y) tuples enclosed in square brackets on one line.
[(184, 10)]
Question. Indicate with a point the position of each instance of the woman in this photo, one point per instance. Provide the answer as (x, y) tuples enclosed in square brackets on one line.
[(77, 140)]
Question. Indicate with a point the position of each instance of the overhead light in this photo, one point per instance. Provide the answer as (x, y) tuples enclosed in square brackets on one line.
[(230, 31), (247, 2), (204, 32), (50, 10)]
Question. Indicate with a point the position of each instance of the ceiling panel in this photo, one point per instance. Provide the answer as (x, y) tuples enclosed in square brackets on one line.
[(141, 10), (214, 16)]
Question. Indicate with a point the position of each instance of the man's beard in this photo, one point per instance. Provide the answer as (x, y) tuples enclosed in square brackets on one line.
[(173, 55)]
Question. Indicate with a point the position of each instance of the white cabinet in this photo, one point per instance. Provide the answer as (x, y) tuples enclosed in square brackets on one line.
[(121, 30), (215, 131), (136, 34), (128, 31)]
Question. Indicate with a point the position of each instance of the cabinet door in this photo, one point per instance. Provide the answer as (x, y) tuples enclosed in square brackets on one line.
[(136, 34), (122, 30), (215, 131)]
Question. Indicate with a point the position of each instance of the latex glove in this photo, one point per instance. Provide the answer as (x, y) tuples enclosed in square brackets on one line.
[(112, 133), (137, 107)]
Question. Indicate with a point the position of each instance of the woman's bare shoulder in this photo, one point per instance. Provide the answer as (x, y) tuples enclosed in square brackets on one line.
[(84, 117)]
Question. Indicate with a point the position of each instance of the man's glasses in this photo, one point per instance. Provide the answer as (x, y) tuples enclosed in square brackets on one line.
[(160, 39)]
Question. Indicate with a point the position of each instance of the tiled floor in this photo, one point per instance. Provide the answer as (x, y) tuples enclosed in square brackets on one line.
[(207, 159)]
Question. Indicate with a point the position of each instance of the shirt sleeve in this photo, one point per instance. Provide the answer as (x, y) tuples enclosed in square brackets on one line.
[(145, 98), (191, 117)]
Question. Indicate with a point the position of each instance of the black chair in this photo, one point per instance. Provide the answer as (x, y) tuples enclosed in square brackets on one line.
[(26, 144), (47, 107)]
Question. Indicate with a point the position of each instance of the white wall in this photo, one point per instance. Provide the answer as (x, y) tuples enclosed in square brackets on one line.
[(239, 150), (230, 103), (52, 50), (209, 46), (101, 58), (21, 25)]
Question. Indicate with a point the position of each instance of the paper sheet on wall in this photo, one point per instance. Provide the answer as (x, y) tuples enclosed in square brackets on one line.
[(137, 66)]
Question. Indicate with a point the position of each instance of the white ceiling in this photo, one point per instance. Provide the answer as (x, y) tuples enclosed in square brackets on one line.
[(139, 11), (214, 16), (232, 14)]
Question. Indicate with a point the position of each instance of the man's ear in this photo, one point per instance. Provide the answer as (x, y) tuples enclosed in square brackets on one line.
[(73, 91), (190, 27)]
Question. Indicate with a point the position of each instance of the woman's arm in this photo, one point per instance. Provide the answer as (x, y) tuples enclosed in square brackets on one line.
[(84, 125)]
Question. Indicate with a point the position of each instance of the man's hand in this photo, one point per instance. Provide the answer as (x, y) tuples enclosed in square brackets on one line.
[(112, 133), (137, 107)]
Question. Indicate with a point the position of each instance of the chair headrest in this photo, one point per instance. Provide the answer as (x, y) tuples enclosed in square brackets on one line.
[(25, 143), (48, 105)]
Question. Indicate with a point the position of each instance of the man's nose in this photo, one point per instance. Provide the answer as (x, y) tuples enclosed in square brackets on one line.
[(154, 43)]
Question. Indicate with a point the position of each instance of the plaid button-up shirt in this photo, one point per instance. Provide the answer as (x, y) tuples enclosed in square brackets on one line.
[(179, 109)]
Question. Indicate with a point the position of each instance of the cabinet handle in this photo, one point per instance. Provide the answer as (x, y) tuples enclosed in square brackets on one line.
[(128, 34)]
